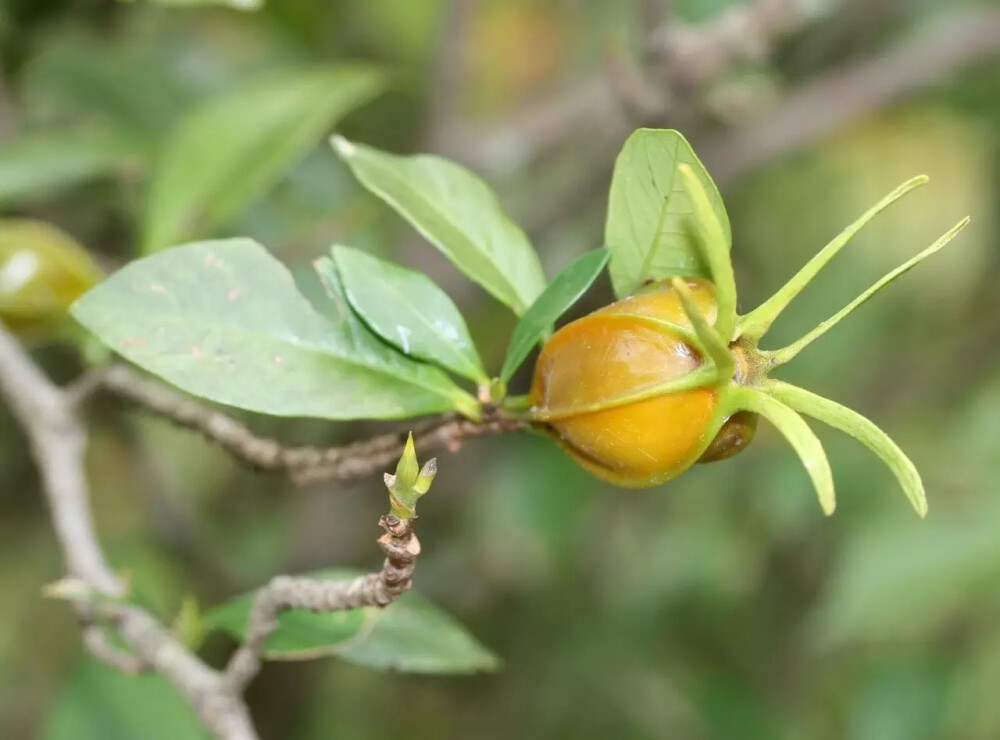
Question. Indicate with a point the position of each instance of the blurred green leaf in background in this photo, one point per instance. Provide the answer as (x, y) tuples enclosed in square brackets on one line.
[(100, 702), (410, 635), (225, 154), (33, 166)]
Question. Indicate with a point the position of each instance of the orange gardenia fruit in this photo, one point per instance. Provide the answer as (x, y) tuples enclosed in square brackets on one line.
[(595, 385)]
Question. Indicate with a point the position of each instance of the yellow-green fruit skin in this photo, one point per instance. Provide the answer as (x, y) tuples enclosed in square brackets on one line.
[(42, 271), (618, 351)]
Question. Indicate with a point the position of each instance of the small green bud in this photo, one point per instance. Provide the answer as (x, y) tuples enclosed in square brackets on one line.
[(410, 482), (426, 477), (407, 467)]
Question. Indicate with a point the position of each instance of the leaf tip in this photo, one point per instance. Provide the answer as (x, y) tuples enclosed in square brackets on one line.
[(407, 468)]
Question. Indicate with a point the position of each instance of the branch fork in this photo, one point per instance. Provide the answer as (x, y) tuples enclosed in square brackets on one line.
[(398, 542), (58, 439)]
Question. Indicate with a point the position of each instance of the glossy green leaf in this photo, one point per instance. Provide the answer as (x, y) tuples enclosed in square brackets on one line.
[(34, 165), (100, 702), (227, 153), (410, 635), (409, 311), (537, 321), (852, 423), (223, 320), (458, 213), (648, 229)]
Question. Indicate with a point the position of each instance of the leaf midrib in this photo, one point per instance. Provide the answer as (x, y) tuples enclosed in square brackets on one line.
[(322, 350), (401, 297), (514, 300)]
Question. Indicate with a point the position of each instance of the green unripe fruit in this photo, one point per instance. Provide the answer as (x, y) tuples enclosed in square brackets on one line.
[(42, 271)]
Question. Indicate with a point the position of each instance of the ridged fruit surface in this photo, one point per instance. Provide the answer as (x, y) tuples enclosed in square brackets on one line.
[(589, 374)]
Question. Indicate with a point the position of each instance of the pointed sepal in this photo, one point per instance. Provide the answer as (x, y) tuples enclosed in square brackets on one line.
[(756, 323), (785, 354), (855, 425), (711, 341), (715, 248), (794, 428)]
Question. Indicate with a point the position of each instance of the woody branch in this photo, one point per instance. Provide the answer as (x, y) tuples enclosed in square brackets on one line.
[(58, 441)]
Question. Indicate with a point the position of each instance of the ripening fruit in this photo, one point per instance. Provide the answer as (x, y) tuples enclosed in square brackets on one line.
[(42, 271), (593, 381), (640, 390)]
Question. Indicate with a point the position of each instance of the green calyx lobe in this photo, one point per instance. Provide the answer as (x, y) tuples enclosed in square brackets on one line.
[(731, 364), (749, 392)]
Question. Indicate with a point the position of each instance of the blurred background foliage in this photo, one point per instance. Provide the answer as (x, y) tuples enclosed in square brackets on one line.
[(722, 605)]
